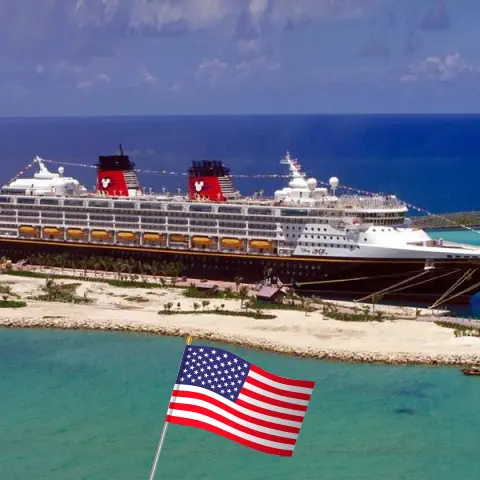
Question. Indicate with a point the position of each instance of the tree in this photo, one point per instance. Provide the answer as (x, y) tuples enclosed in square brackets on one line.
[(238, 281), (243, 294), (376, 299), (205, 303), (196, 306)]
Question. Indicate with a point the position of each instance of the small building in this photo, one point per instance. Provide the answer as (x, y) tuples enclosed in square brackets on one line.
[(270, 294)]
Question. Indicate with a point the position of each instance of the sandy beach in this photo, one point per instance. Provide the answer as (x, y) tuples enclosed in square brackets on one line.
[(404, 340)]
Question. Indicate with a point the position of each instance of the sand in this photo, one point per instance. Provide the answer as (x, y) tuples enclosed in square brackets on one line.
[(417, 341)]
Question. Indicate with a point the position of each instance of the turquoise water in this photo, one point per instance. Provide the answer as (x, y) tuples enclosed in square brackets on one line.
[(462, 236), (89, 405)]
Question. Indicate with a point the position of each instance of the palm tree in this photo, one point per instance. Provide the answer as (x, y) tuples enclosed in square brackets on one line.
[(238, 281), (243, 294)]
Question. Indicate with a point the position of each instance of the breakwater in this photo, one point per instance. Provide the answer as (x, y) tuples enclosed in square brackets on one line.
[(256, 342)]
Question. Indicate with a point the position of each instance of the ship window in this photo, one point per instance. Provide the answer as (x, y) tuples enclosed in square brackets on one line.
[(48, 201), (259, 211), (73, 203), (225, 209), (26, 200), (99, 203), (200, 208), (4, 199), (175, 206), (123, 205)]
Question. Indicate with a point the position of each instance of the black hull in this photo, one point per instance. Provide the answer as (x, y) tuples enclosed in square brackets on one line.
[(324, 276)]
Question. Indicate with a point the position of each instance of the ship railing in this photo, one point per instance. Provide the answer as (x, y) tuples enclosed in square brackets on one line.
[(466, 246), (380, 202)]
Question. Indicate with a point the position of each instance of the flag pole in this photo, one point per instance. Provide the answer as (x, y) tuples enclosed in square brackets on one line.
[(188, 341)]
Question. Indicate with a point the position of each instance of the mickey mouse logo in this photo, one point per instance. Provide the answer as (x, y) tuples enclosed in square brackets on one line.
[(105, 182), (199, 186)]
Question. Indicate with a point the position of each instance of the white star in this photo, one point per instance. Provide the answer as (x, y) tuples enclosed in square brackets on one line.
[(215, 366), (225, 355), (200, 357), (194, 353), (239, 381), (229, 363), (213, 386), (202, 369), (218, 358), (229, 391), (236, 389), (192, 367), (200, 377), (225, 384), (189, 356), (187, 363), (193, 380), (204, 362), (201, 349), (242, 373), (182, 379), (203, 383), (214, 352), (189, 349), (222, 364), (222, 391), (205, 354), (232, 383), (209, 367), (235, 360), (222, 379), (210, 359), (245, 365), (232, 397), (185, 370), (236, 376), (196, 372), (209, 381), (188, 376)]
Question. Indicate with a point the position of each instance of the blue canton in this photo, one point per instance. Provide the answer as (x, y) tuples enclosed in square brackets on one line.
[(214, 369)]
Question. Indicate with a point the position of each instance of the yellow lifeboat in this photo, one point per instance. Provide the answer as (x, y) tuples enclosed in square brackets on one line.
[(178, 238), (231, 242), (75, 232), (153, 237), (129, 236), (28, 230), (202, 240), (261, 244), (52, 231), (100, 234)]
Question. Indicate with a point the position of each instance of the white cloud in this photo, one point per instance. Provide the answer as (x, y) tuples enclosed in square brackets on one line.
[(193, 13), (212, 70), (147, 77), (257, 65), (301, 11), (98, 79), (440, 69), (257, 9)]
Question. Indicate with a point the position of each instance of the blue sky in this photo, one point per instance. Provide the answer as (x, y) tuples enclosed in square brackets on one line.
[(105, 57)]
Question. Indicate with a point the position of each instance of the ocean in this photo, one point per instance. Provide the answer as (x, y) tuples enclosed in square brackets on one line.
[(90, 405)]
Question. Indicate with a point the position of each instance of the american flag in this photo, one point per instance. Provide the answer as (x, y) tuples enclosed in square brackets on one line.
[(224, 394)]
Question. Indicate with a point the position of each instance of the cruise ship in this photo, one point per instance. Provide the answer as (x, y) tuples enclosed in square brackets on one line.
[(307, 236)]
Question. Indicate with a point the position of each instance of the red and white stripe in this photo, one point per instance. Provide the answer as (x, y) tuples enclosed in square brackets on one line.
[(266, 416)]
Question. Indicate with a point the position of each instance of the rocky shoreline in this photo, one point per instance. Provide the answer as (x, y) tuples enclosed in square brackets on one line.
[(350, 356)]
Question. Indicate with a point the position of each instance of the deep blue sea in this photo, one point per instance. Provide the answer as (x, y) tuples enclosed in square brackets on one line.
[(429, 161), (89, 406)]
